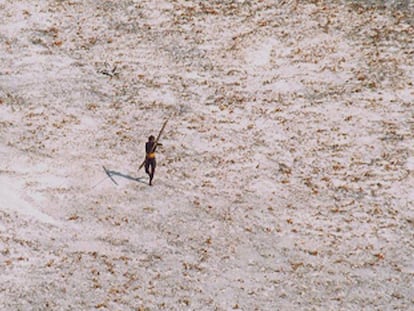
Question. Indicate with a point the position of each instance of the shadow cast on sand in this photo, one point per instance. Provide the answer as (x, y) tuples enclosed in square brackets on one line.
[(112, 173)]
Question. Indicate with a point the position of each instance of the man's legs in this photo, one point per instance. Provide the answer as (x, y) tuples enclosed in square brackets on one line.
[(150, 169), (147, 164)]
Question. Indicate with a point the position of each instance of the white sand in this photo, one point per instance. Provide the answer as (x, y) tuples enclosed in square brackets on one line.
[(285, 180)]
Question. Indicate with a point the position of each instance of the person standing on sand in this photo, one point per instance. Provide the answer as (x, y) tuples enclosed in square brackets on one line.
[(150, 162)]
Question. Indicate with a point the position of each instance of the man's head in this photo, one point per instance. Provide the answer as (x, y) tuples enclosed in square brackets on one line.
[(151, 138)]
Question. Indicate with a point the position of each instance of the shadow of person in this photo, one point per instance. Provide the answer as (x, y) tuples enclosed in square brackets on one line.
[(112, 173)]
